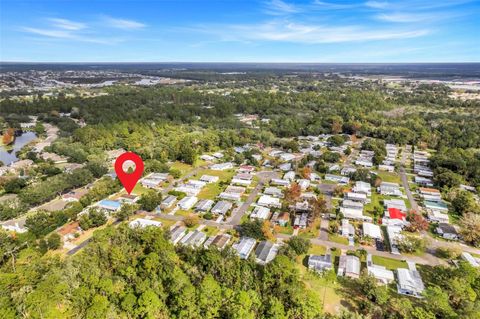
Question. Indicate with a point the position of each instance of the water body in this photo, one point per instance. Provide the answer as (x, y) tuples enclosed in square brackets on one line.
[(10, 156)]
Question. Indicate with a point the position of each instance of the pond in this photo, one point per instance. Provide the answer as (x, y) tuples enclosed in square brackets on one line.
[(10, 156)]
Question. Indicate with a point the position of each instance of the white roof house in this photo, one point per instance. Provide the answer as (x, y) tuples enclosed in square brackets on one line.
[(209, 178), (394, 234), (221, 207), (269, 201), (204, 205), (320, 263), (260, 212), (274, 191), (289, 176), (349, 266), (470, 259), (395, 203), (280, 182), (390, 189), (362, 187), (221, 166), (359, 197), (409, 282), (303, 183), (177, 233), (352, 204), (372, 230), (244, 247), (348, 230), (354, 213), (168, 201), (383, 275), (187, 202), (142, 223)]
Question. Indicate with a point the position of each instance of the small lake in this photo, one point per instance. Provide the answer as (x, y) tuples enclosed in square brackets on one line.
[(10, 156)]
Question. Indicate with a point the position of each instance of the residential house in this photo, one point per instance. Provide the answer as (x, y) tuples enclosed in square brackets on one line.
[(273, 191), (244, 247), (128, 198), (269, 201), (347, 229), (168, 202), (394, 217), (438, 217), (204, 205), (280, 182), (219, 241), (409, 281), (221, 166), (383, 275), (320, 263), (289, 176), (372, 230), (109, 205), (194, 239), (303, 183), (17, 226), (75, 195), (187, 202), (395, 203), (177, 233), (221, 207), (265, 252), (301, 221), (359, 197), (362, 188), (209, 179), (470, 259), (349, 266), (281, 219), (354, 213), (242, 179), (260, 212), (337, 178), (447, 231), (390, 189), (143, 223), (285, 167)]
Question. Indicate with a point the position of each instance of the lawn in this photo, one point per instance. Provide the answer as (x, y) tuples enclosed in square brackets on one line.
[(210, 230), (287, 230), (166, 223), (338, 239), (317, 250), (389, 263), (182, 212), (182, 167), (389, 177), (323, 288), (311, 231)]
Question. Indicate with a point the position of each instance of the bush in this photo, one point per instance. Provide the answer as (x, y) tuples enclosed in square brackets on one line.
[(448, 253), (191, 220)]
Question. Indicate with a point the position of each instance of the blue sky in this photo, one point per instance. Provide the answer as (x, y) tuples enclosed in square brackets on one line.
[(239, 31)]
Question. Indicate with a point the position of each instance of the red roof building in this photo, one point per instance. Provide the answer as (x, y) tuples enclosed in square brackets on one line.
[(395, 213)]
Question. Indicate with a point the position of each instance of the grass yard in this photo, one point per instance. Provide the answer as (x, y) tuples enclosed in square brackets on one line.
[(317, 250), (311, 231), (389, 177), (338, 239), (389, 263), (182, 212), (182, 167), (287, 230), (166, 223), (324, 288), (210, 230)]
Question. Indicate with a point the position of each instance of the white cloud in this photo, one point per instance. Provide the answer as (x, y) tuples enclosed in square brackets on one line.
[(67, 24), (376, 4), (279, 7), (281, 31), (123, 23), (69, 35)]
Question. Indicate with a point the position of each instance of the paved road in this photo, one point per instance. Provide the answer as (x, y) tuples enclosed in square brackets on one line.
[(264, 177), (404, 178)]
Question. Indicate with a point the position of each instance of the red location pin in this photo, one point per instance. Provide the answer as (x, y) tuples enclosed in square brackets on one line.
[(129, 180)]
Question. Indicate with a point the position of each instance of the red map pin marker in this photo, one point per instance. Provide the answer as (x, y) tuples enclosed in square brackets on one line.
[(129, 180)]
